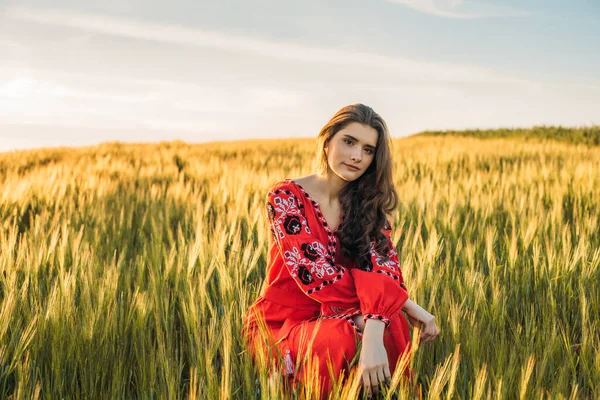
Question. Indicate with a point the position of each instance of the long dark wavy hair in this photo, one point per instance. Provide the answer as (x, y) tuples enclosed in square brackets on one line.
[(370, 200)]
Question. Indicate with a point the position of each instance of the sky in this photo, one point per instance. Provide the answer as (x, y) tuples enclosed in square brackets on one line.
[(81, 72)]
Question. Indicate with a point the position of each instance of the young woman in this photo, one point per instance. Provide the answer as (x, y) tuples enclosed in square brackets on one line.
[(333, 275)]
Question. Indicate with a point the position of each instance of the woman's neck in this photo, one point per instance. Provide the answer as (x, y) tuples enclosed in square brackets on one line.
[(329, 188)]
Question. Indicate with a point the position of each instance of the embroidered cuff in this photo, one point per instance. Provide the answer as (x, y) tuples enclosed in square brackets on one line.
[(377, 316)]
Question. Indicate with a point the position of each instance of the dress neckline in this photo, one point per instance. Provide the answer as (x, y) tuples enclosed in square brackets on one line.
[(317, 206)]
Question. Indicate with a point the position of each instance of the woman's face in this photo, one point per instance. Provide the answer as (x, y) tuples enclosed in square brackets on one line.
[(352, 146)]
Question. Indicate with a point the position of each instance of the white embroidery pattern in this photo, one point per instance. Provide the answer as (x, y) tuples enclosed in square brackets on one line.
[(312, 260), (284, 208), (319, 268), (379, 260)]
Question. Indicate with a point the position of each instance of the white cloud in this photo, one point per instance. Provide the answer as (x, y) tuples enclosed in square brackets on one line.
[(256, 47), (23, 87), (143, 104), (94, 84), (461, 9), (9, 48)]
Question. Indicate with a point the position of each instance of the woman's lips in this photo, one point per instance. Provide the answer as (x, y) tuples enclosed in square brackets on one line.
[(351, 167)]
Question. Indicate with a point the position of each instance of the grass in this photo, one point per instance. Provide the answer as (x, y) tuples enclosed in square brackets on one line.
[(125, 270), (589, 135)]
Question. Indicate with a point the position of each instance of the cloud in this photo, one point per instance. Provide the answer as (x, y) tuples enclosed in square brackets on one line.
[(189, 82), (143, 104), (460, 9), (10, 48), (23, 87), (257, 47)]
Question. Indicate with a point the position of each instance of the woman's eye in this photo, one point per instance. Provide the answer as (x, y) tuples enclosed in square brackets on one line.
[(350, 143)]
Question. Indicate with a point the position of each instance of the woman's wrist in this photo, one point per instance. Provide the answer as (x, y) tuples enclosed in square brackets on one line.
[(374, 328)]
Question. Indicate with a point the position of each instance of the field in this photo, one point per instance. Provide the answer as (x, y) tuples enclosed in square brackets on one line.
[(125, 269)]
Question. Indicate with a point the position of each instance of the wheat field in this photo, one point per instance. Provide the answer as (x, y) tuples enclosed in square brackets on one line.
[(126, 268)]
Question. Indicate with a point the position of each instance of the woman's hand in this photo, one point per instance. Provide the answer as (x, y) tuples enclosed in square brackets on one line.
[(423, 320), (373, 362), (429, 329)]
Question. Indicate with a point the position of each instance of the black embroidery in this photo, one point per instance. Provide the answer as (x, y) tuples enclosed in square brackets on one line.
[(309, 252), (304, 275), (292, 225)]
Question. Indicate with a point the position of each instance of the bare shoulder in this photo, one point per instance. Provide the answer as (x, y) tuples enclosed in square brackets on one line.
[(291, 184), (305, 181), (308, 184)]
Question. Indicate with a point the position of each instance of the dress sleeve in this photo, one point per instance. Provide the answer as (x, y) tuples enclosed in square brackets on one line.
[(381, 289), (307, 258)]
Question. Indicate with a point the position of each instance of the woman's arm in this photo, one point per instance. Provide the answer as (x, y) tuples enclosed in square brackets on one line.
[(373, 363), (422, 319), (380, 286), (416, 315), (382, 292)]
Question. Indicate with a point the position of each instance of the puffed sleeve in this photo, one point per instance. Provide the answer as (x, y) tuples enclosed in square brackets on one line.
[(381, 290), (307, 258)]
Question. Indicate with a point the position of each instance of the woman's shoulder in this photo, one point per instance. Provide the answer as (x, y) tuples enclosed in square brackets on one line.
[(293, 185), (285, 184)]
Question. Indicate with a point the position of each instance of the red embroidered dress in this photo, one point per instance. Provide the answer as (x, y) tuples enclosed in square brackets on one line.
[(309, 281)]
